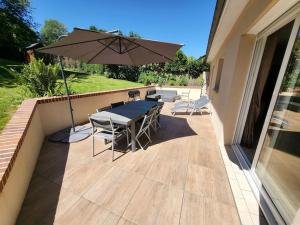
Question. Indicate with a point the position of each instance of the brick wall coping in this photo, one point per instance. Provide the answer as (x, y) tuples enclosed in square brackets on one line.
[(14, 133)]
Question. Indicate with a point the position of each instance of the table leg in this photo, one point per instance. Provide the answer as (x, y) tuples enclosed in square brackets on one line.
[(132, 127)]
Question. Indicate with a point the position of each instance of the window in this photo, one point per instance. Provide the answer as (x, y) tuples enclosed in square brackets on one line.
[(219, 72)]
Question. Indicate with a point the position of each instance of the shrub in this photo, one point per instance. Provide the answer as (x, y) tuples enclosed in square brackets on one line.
[(172, 82), (41, 79), (148, 78), (123, 72), (182, 81)]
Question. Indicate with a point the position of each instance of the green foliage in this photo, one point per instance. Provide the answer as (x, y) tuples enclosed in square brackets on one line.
[(41, 79), (52, 30), (123, 72), (178, 65), (16, 28), (94, 28), (291, 78), (182, 81), (134, 34), (148, 78), (90, 68)]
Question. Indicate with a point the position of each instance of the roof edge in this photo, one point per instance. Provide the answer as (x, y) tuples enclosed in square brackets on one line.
[(215, 23)]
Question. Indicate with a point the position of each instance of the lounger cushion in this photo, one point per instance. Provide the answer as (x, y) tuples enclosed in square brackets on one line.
[(164, 95)]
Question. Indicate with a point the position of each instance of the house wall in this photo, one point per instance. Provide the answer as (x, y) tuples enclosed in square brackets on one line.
[(236, 50)]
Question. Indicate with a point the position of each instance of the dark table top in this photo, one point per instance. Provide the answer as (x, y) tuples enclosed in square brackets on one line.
[(127, 113)]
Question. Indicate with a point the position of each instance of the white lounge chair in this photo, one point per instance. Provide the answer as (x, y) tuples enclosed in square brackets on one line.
[(193, 106)]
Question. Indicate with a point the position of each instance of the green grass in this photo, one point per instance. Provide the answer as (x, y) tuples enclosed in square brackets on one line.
[(92, 83), (12, 95)]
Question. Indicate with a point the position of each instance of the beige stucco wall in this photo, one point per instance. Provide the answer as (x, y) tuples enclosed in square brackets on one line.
[(237, 51), (11, 198)]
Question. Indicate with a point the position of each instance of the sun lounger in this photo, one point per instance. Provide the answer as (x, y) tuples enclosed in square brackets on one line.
[(192, 106)]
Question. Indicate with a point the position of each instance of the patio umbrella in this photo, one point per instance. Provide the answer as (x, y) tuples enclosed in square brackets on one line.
[(104, 48)]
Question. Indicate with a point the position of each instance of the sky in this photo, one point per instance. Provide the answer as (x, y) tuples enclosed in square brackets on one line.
[(180, 21)]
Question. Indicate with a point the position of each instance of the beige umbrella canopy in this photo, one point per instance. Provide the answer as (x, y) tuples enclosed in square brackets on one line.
[(104, 48), (108, 48)]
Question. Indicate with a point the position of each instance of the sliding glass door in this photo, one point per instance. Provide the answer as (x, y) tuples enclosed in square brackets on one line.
[(268, 72), (278, 165), (267, 138)]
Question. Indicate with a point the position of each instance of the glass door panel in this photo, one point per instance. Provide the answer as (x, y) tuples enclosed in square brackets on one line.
[(278, 166), (270, 65)]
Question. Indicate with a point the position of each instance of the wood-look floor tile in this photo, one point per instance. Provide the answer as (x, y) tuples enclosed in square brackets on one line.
[(192, 210), (123, 221), (199, 180), (139, 162), (155, 203), (85, 212), (114, 190), (83, 178), (216, 213), (45, 199), (171, 172)]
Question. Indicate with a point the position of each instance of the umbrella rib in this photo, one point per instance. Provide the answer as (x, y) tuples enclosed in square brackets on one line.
[(75, 43), (128, 50), (148, 49), (120, 47), (107, 46), (101, 50)]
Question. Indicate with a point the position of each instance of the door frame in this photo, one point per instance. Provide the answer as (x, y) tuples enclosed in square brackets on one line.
[(267, 206)]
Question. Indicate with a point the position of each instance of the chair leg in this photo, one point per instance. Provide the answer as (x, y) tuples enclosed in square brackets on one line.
[(140, 144), (148, 137), (93, 146), (113, 149), (149, 132), (127, 136)]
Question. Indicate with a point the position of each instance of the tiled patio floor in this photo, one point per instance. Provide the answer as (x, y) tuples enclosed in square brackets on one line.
[(179, 179)]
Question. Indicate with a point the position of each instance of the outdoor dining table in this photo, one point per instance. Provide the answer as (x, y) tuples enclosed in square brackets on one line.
[(127, 114)]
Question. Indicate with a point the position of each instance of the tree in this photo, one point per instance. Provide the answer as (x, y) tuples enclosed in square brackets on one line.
[(20, 9), (52, 30), (134, 34), (178, 65), (16, 28), (94, 28)]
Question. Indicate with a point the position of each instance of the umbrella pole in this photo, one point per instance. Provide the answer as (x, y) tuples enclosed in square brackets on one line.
[(67, 90)]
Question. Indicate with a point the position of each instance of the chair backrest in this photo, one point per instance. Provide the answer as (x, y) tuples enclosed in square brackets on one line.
[(102, 109), (159, 108), (104, 124), (186, 93), (116, 104), (201, 102)]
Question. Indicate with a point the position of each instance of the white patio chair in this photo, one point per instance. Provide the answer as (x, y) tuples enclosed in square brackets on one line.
[(185, 96), (107, 132), (145, 128), (156, 117)]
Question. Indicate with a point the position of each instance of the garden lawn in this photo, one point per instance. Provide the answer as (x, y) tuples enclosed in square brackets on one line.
[(12, 95), (92, 83)]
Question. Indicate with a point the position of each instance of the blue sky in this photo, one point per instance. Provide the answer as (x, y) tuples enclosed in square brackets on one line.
[(180, 21)]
